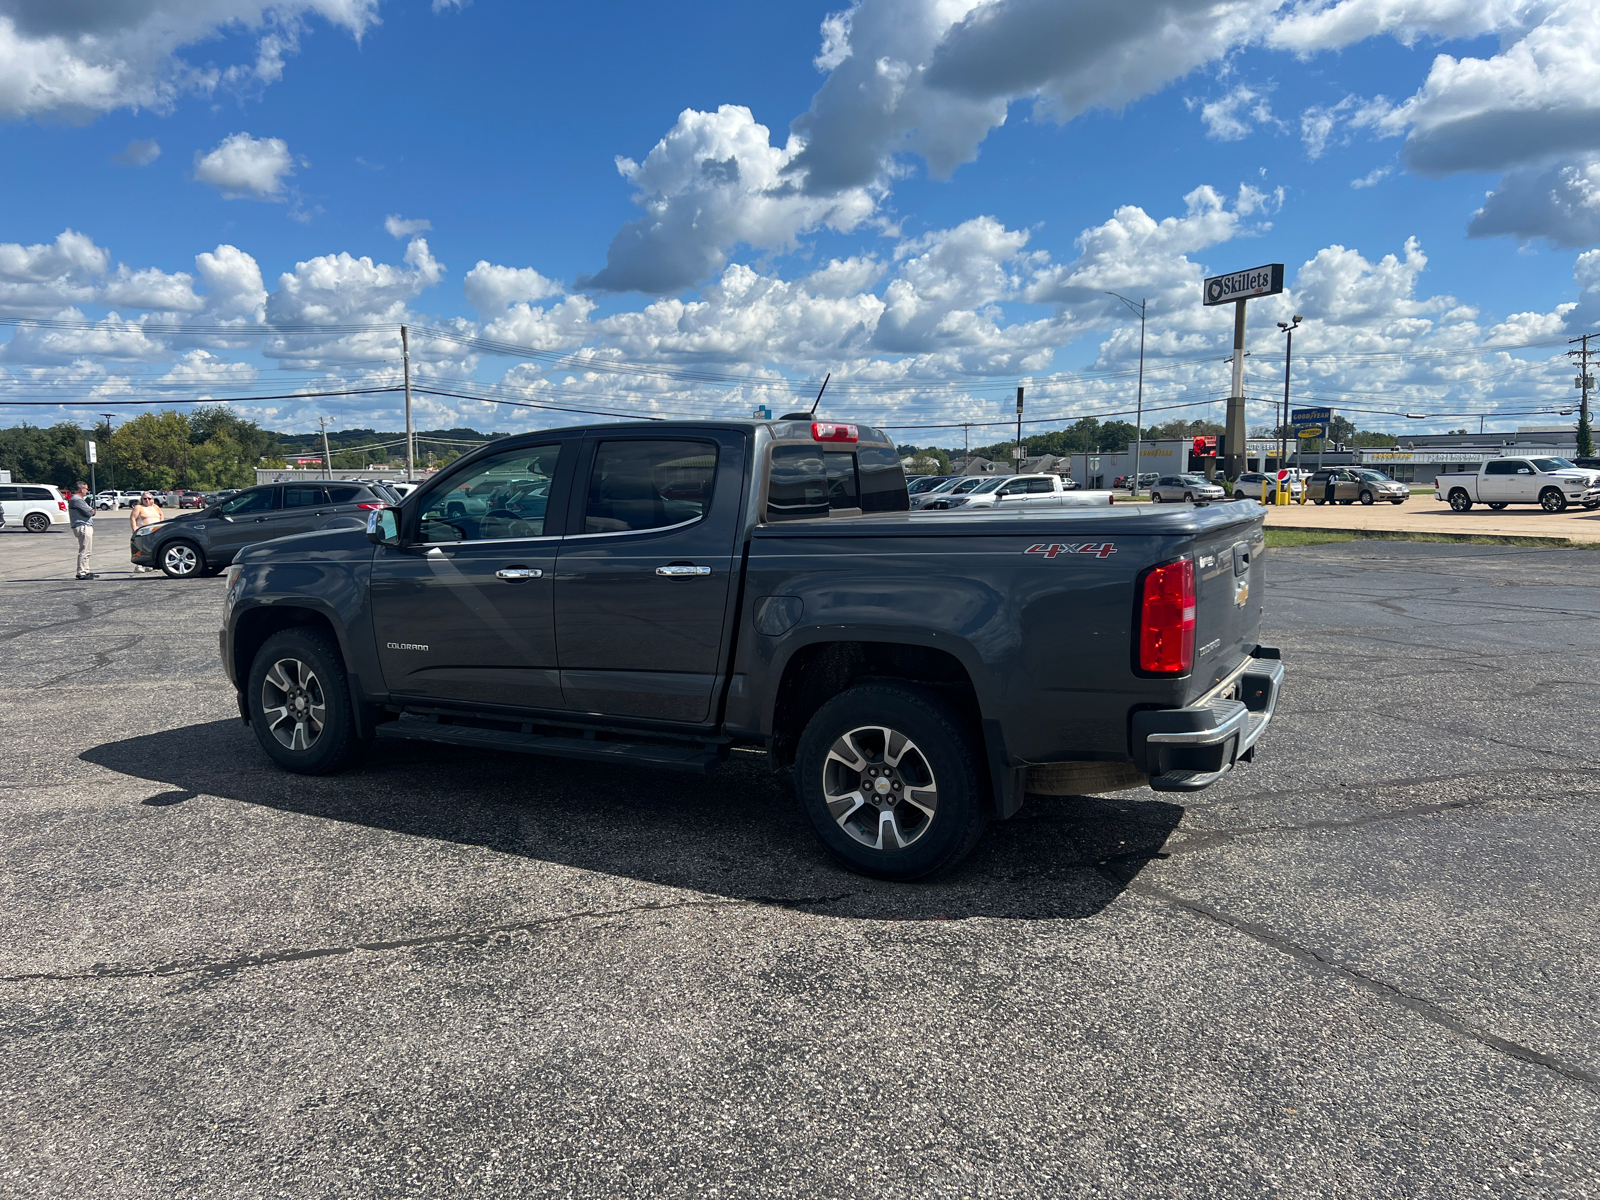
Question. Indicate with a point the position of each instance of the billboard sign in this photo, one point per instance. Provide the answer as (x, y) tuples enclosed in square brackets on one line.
[(1243, 285), (1318, 416)]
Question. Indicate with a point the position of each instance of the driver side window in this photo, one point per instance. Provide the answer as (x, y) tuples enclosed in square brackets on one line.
[(502, 496)]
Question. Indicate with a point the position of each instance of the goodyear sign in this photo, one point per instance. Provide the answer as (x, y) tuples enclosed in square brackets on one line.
[(1310, 422), (1243, 285)]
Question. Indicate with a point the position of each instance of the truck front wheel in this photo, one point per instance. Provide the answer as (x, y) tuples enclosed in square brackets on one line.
[(300, 702), (1552, 500), (1460, 501), (889, 777)]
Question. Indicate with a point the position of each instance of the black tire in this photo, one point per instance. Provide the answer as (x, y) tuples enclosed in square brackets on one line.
[(1367, 497), (1592, 505), (1499, 504), (1155, 497), (1188, 497), (36, 522), (939, 751), (292, 666), (1347, 502), (1552, 500), (1319, 503), (182, 559), (1460, 501), (1238, 495)]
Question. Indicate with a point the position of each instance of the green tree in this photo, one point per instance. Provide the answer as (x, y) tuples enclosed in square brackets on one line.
[(54, 455), (1585, 435)]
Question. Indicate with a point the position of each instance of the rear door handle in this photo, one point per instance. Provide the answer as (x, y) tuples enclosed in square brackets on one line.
[(682, 572), (518, 573)]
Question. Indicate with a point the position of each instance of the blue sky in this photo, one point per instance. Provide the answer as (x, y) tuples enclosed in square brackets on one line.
[(977, 174)]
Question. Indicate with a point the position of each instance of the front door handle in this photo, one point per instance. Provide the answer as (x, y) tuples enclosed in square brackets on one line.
[(682, 572), (518, 573)]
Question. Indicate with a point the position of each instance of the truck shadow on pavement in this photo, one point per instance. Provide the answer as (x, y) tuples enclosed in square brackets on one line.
[(738, 833)]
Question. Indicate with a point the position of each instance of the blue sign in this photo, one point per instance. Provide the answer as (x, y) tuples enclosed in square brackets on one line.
[(1310, 416)]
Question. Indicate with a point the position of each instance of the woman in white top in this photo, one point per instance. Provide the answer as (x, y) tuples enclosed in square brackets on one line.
[(146, 512)]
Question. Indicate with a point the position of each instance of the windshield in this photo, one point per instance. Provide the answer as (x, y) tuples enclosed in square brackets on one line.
[(1199, 479), (947, 485), (1552, 464), (988, 485), (1375, 476), (966, 485)]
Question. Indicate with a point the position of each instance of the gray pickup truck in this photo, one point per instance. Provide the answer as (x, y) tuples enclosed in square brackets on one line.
[(662, 593)]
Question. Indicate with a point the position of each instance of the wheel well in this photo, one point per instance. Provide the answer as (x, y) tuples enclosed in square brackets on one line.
[(1461, 490), (819, 672), (258, 624)]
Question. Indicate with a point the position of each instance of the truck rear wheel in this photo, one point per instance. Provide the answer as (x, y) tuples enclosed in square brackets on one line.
[(300, 702), (889, 777), (1460, 501), (1551, 500)]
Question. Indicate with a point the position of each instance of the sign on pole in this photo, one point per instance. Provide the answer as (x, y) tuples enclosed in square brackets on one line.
[(1243, 285), (89, 450)]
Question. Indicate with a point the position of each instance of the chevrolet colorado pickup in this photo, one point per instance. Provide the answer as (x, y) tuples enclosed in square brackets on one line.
[(661, 593)]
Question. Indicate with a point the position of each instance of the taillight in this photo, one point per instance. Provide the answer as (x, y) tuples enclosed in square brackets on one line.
[(827, 431), (62, 505), (370, 506), (1166, 619)]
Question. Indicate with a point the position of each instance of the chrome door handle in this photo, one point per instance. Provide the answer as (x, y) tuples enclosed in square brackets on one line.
[(518, 573), (682, 572)]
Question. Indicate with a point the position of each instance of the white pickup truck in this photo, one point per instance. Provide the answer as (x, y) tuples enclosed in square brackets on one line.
[(1552, 483), (1019, 492)]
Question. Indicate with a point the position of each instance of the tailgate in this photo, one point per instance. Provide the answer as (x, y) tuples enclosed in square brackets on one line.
[(1228, 586)]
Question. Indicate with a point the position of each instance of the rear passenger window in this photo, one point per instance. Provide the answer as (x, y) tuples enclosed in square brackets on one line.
[(638, 485), (10, 493), (1035, 486), (37, 494), (1501, 468), (343, 495), (302, 495)]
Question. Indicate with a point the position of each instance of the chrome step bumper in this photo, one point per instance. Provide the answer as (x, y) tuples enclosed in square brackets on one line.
[(1187, 749)]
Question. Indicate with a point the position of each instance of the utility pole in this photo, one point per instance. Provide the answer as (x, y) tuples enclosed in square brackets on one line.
[(1283, 425), (411, 437), (1016, 454), (1585, 434), (1138, 420), (327, 456)]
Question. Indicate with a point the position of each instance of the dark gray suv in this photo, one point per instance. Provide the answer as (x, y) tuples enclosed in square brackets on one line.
[(201, 543)]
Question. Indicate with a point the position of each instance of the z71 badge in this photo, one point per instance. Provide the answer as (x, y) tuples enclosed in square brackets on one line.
[(1051, 549)]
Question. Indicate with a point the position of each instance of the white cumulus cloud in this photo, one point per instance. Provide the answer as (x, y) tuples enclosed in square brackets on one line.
[(84, 58), (490, 288), (713, 182), (245, 167)]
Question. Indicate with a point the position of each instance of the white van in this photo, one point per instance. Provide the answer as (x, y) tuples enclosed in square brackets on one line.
[(32, 506)]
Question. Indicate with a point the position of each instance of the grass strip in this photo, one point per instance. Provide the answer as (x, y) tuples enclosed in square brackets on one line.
[(1278, 535)]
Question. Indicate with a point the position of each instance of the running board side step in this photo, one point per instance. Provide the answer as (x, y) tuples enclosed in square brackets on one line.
[(693, 759)]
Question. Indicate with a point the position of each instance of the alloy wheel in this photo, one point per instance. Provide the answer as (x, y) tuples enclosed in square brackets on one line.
[(293, 703), (180, 560), (879, 788), (36, 522)]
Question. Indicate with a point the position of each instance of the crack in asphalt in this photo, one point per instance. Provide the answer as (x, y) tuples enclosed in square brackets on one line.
[(467, 937), (1426, 1009)]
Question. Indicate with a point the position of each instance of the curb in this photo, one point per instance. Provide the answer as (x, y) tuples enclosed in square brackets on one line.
[(1427, 535)]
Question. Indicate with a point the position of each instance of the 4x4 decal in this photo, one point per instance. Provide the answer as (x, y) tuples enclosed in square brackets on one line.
[(1051, 549)]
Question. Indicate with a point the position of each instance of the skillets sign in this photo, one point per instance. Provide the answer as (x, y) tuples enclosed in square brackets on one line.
[(1244, 285)]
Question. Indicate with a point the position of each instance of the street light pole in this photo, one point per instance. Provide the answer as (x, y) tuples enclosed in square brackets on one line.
[(1138, 420), (1283, 425)]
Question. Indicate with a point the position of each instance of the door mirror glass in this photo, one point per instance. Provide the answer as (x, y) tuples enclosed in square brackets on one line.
[(382, 527)]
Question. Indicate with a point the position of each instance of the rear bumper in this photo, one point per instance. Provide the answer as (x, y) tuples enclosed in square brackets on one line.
[(1187, 749)]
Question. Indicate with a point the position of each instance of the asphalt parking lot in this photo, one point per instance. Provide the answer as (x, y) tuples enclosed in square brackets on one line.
[(1366, 965)]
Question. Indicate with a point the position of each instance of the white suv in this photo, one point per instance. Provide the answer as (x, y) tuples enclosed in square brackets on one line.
[(34, 506)]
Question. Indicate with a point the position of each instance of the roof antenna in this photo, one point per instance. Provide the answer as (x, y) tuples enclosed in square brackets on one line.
[(820, 390), (806, 416)]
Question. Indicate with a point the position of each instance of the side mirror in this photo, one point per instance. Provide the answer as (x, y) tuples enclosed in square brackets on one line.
[(383, 528)]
